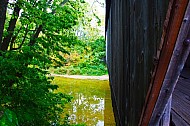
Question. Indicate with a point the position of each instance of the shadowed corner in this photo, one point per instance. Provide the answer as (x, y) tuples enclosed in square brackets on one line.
[(109, 119)]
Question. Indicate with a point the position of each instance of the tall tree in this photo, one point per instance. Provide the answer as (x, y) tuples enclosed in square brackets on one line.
[(3, 8)]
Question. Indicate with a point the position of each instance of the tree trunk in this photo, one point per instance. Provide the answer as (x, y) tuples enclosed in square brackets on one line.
[(10, 30), (3, 9)]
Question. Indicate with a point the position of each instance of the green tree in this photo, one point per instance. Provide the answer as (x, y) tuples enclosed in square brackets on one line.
[(88, 56), (33, 35)]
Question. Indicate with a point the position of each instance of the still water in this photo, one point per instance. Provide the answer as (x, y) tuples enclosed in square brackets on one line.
[(91, 103)]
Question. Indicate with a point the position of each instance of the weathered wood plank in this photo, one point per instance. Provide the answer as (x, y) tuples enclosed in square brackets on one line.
[(183, 87), (186, 71), (178, 59), (181, 101), (181, 108), (165, 120), (177, 120), (130, 53), (153, 114), (183, 96)]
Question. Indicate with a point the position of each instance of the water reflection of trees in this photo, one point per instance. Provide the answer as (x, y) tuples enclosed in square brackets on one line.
[(87, 106), (87, 109)]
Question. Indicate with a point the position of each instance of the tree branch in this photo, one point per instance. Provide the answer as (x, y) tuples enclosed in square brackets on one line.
[(14, 38), (39, 29), (24, 38), (35, 36)]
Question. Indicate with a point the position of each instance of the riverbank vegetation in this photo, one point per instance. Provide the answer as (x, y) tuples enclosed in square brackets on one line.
[(88, 58), (36, 36)]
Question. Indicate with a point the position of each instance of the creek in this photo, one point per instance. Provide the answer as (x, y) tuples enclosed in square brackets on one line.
[(91, 103)]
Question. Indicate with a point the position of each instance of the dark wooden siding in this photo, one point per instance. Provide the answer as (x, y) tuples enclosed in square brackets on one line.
[(133, 35)]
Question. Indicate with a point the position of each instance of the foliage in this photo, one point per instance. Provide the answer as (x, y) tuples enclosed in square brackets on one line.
[(44, 24), (88, 58), (26, 91), (8, 118), (35, 35)]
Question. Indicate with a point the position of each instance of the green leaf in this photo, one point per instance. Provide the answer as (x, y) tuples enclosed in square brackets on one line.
[(9, 118)]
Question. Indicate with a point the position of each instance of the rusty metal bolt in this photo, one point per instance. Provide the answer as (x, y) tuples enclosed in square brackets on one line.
[(158, 115), (185, 19), (186, 42), (155, 61), (166, 90)]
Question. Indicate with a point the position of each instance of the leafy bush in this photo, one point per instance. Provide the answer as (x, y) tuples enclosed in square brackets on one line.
[(26, 93), (85, 59), (78, 70)]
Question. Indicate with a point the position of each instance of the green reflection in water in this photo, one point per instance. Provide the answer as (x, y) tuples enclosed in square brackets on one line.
[(88, 104)]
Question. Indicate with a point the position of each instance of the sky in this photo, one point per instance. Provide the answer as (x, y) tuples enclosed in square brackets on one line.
[(99, 9)]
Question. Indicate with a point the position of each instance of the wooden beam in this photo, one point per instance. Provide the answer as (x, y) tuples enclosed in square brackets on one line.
[(175, 14), (177, 62)]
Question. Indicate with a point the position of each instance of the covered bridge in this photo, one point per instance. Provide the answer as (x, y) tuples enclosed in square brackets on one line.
[(148, 42)]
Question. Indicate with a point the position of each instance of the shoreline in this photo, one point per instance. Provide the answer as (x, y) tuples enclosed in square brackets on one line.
[(103, 77)]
